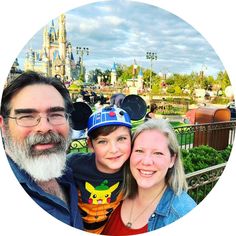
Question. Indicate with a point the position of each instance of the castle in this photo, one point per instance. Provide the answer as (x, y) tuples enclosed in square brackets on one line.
[(56, 58)]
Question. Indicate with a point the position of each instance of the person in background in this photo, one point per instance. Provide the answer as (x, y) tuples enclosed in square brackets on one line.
[(154, 186), (99, 174), (152, 113), (35, 127)]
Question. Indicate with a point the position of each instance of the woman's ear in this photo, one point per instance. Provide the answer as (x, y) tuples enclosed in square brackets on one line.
[(90, 144), (172, 161)]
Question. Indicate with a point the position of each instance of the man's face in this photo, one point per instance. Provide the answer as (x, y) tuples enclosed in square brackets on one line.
[(39, 150)]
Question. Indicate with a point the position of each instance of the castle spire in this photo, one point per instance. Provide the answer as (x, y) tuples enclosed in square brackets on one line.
[(62, 35)]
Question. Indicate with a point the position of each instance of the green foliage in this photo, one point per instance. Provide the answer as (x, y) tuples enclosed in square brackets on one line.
[(223, 80), (220, 100), (170, 81), (201, 157), (171, 90)]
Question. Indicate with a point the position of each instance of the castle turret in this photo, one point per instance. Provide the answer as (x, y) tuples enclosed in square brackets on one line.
[(113, 74), (140, 79), (45, 63), (62, 36), (52, 33)]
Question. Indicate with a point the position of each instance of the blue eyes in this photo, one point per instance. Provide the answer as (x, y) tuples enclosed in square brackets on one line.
[(154, 153), (120, 139)]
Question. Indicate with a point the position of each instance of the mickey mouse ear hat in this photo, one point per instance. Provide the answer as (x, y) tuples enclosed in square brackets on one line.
[(108, 116), (133, 107), (80, 115)]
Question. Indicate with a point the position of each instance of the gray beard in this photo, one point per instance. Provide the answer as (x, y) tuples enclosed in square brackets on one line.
[(41, 165)]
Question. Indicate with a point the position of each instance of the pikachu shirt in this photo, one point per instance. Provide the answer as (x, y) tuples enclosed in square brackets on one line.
[(98, 192)]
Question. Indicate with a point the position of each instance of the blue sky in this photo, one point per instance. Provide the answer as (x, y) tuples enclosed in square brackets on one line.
[(121, 31)]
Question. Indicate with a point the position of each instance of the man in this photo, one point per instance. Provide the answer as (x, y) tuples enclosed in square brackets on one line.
[(35, 127)]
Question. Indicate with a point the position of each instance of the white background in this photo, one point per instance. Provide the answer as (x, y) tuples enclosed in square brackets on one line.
[(21, 19)]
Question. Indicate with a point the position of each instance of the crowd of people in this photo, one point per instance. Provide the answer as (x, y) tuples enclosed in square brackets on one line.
[(127, 184)]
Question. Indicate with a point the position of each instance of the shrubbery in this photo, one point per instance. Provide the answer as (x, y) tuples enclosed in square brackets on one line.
[(201, 157), (220, 100)]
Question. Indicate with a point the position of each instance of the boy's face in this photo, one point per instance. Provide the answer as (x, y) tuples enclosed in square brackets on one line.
[(113, 150)]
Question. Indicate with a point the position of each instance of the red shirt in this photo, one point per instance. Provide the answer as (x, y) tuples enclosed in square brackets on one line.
[(115, 226)]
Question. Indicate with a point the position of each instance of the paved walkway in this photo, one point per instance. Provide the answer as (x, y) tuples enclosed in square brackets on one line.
[(172, 117)]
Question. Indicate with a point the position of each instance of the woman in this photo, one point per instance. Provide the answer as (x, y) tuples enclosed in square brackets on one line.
[(155, 185), (152, 113)]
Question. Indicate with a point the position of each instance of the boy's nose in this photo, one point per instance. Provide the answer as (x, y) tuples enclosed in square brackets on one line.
[(113, 147)]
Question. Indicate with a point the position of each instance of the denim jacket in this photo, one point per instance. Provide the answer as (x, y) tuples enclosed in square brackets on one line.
[(52, 204), (170, 208)]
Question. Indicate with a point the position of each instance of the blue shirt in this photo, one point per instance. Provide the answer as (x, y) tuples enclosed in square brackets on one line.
[(68, 214), (170, 208)]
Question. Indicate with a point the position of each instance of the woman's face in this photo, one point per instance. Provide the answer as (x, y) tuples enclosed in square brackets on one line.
[(150, 159)]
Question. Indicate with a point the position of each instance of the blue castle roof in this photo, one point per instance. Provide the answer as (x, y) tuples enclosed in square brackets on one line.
[(140, 72), (113, 68)]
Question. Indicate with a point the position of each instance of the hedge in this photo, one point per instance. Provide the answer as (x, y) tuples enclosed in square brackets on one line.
[(201, 157)]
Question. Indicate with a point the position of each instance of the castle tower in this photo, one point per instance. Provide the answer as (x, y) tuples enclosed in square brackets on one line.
[(55, 58), (62, 36), (52, 33), (46, 39), (30, 60), (45, 63), (113, 74), (140, 79)]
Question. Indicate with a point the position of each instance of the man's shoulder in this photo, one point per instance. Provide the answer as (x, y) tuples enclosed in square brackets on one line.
[(20, 174)]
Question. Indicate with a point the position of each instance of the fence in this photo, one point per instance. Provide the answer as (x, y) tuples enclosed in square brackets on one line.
[(217, 135), (202, 181)]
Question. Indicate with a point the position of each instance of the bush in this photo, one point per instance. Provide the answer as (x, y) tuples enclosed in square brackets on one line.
[(220, 100), (201, 157)]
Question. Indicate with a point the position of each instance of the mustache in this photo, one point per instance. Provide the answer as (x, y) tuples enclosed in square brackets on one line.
[(60, 143), (49, 137)]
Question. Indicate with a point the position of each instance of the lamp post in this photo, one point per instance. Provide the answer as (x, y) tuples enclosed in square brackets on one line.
[(81, 52), (151, 56)]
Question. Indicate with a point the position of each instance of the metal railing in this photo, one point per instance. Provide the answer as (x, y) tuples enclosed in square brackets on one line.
[(79, 145), (217, 135), (201, 182)]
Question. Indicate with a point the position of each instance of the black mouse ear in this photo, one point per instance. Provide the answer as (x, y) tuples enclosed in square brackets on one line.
[(135, 106), (80, 115)]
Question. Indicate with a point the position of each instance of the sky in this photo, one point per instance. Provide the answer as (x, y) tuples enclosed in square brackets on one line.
[(121, 31)]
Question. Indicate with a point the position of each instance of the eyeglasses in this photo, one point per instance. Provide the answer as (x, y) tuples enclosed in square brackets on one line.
[(31, 120)]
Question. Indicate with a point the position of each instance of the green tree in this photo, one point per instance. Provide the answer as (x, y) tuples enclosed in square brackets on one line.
[(126, 74), (223, 79)]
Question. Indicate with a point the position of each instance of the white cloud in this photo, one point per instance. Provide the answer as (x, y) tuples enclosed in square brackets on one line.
[(125, 30)]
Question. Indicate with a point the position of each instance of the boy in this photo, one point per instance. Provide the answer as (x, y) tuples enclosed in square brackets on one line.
[(99, 174)]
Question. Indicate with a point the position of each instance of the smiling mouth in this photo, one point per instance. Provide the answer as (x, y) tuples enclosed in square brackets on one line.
[(114, 158), (43, 146), (146, 173)]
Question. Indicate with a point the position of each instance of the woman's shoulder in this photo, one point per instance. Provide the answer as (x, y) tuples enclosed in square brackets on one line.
[(183, 203)]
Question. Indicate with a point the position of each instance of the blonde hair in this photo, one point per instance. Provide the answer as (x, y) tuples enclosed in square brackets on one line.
[(175, 177)]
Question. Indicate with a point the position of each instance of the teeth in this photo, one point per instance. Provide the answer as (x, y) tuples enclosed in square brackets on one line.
[(146, 172)]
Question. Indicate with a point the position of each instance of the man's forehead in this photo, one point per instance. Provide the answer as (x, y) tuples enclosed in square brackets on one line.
[(38, 96)]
